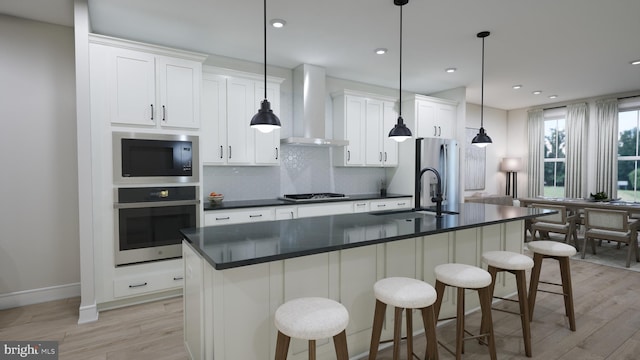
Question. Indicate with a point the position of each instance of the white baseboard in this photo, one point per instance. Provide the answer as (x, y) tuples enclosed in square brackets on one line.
[(36, 296), (88, 314)]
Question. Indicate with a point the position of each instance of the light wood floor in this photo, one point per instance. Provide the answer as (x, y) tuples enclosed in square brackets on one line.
[(607, 304)]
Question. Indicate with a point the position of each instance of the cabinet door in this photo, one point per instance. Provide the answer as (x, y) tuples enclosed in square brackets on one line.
[(373, 133), (355, 114), (267, 146), (213, 135), (426, 125), (179, 92), (240, 110), (131, 87), (389, 146), (446, 118)]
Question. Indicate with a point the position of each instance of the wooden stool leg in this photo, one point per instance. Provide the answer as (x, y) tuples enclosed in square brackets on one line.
[(429, 320), (485, 305), (378, 319), (440, 295), (312, 350), (521, 283), (460, 325), (397, 329), (282, 346), (409, 317), (533, 285), (494, 274), (565, 273), (340, 343)]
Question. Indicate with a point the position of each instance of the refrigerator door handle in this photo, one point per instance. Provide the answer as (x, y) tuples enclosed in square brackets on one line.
[(445, 175)]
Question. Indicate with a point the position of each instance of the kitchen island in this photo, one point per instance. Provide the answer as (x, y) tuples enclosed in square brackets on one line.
[(236, 276)]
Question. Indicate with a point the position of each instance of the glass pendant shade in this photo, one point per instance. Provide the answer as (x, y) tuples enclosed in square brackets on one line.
[(265, 120), (400, 132)]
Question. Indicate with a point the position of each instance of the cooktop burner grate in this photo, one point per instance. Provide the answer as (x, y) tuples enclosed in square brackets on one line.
[(313, 196)]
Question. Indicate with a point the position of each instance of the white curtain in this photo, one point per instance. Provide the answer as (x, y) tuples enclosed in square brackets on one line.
[(607, 147), (576, 151), (535, 167)]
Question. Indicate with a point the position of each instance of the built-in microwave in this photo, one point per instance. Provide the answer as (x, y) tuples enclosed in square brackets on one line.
[(141, 158)]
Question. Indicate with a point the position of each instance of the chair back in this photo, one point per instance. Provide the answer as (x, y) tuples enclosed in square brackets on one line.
[(604, 219), (558, 218)]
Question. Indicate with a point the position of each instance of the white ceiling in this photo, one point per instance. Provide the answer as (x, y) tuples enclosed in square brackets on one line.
[(572, 48)]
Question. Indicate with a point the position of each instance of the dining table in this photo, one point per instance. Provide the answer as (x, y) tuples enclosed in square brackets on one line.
[(575, 205)]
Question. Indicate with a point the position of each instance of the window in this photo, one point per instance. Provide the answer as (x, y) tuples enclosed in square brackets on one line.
[(628, 155), (554, 156)]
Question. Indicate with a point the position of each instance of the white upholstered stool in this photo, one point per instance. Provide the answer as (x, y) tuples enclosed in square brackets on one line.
[(517, 264), (464, 277), (404, 293), (562, 252), (311, 318)]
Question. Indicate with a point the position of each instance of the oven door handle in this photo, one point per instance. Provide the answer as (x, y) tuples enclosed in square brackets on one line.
[(155, 204)]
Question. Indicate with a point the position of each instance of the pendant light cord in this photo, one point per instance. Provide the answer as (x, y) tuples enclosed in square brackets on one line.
[(265, 49), (400, 88), (482, 89)]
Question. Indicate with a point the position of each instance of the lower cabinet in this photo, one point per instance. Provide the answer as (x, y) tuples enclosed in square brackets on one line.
[(237, 305), (147, 283), (224, 217)]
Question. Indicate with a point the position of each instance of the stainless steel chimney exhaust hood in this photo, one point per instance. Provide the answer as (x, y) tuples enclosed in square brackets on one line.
[(309, 108)]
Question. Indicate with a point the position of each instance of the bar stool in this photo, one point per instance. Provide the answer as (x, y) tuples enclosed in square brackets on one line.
[(517, 264), (311, 318), (466, 277), (559, 251), (404, 293)]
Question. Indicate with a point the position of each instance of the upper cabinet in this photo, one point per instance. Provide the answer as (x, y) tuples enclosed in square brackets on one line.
[(365, 120), (146, 85), (229, 100), (432, 117)]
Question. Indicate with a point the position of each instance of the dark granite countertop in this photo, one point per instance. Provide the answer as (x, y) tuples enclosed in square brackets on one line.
[(227, 205), (229, 246)]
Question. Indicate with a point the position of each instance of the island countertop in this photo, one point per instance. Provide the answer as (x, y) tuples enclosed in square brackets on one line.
[(230, 246)]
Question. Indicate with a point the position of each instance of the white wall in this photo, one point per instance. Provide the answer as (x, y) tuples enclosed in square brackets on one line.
[(39, 246)]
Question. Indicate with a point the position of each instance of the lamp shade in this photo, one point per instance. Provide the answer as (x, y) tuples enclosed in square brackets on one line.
[(400, 132), (511, 164), (265, 120)]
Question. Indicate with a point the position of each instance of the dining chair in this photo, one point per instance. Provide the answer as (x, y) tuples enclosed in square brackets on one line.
[(560, 223), (612, 225)]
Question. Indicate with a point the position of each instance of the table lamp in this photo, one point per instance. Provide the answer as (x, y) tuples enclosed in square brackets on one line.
[(511, 165)]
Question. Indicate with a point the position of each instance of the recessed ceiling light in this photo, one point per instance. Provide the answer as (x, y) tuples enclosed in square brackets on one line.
[(451, 70), (553, 96), (278, 23), (380, 51), (516, 87), (635, 62), (537, 92)]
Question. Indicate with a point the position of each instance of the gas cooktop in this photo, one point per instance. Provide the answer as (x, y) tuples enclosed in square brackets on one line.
[(314, 196)]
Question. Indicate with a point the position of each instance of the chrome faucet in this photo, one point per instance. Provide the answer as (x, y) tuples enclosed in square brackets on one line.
[(419, 172)]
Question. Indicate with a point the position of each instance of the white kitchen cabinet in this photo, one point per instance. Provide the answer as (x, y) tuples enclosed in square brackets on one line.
[(286, 212), (152, 90), (365, 120), (390, 204), (431, 117), (229, 101), (146, 283), (223, 217), (360, 206), (335, 208)]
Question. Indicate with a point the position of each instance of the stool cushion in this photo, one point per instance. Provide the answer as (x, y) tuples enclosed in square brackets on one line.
[(463, 275), (551, 248), (507, 260), (405, 292), (311, 318)]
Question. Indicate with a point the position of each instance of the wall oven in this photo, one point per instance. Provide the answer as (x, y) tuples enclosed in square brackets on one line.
[(142, 158), (148, 220)]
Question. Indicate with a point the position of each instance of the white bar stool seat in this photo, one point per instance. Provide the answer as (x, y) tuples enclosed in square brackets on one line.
[(404, 293), (311, 318), (463, 277), (516, 264), (559, 251)]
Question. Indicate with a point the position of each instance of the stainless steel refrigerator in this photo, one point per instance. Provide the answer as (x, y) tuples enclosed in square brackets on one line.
[(442, 155)]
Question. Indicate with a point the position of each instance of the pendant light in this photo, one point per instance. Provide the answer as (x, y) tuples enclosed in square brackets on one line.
[(265, 120), (482, 139), (400, 132)]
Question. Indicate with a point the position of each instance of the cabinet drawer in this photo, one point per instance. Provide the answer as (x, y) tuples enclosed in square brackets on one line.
[(237, 217), (325, 209), (381, 205), (360, 206), (135, 285)]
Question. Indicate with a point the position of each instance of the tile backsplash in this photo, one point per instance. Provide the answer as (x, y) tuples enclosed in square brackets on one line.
[(303, 169)]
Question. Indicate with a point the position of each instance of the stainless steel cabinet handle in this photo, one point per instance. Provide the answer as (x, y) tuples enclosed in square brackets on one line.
[(221, 150), (382, 205), (276, 153), (380, 155), (176, 278), (151, 111), (164, 113), (385, 156), (348, 155), (402, 204), (222, 218), (435, 130), (439, 131), (138, 285), (229, 151), (255, 216)]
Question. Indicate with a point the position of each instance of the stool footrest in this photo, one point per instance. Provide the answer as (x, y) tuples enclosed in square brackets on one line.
[(552, 292), (505, 299), (507, 311)]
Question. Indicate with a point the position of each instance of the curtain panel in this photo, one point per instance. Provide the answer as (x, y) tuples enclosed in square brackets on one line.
[(535, 166), (574, 182), (607, 147)]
